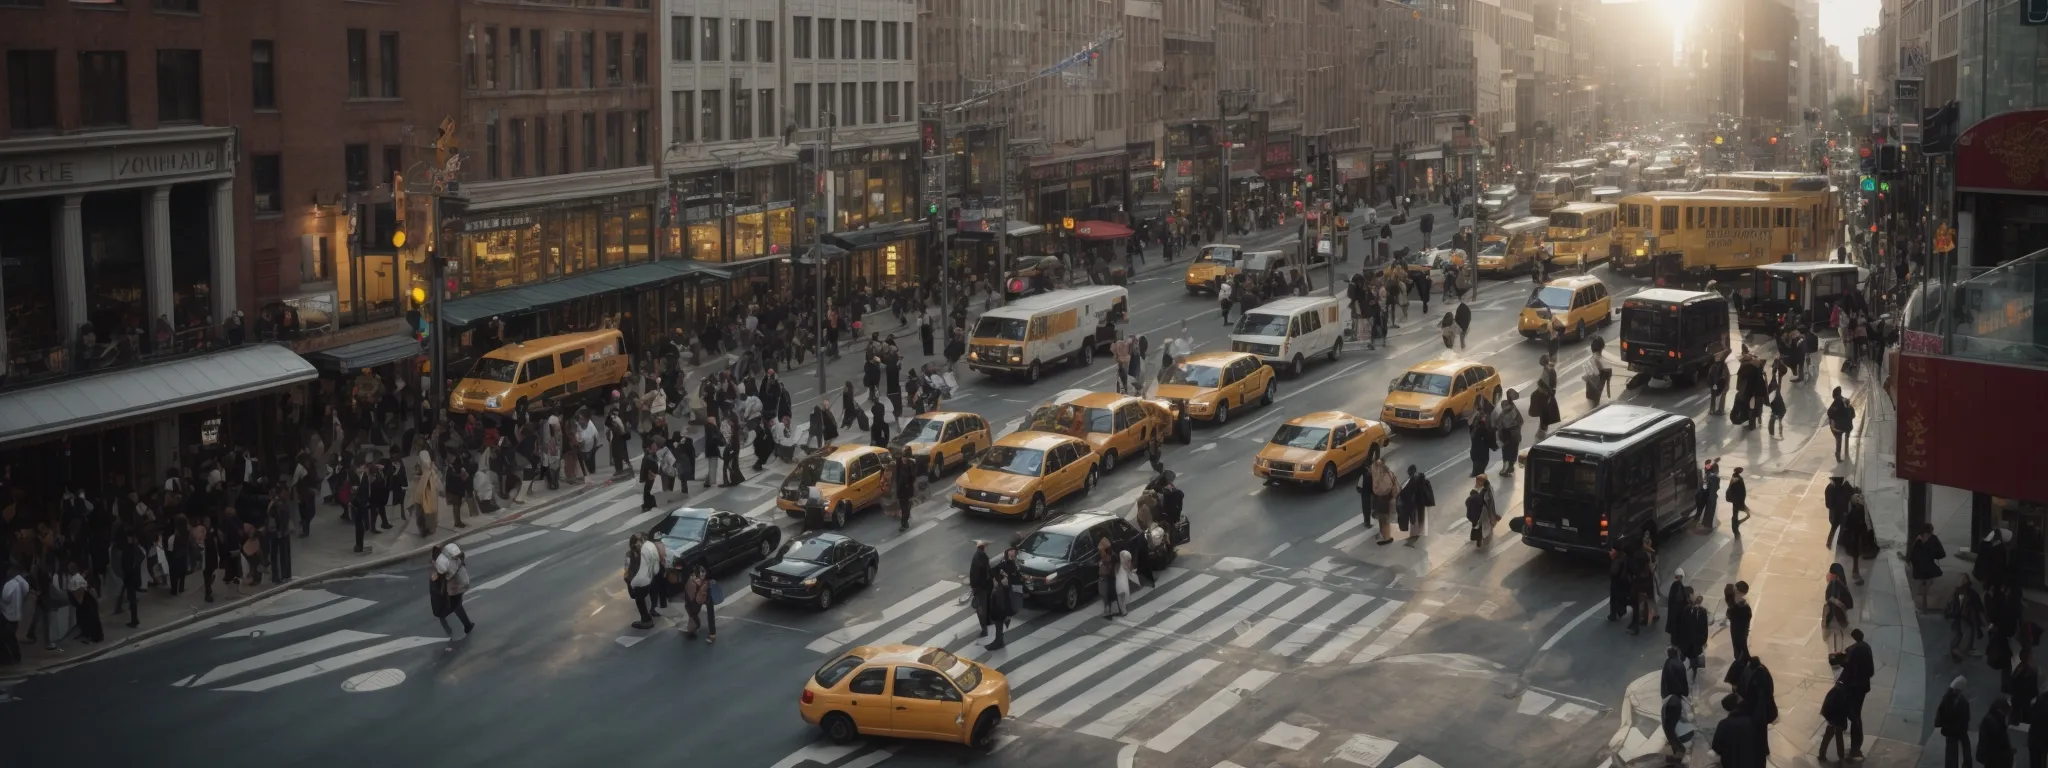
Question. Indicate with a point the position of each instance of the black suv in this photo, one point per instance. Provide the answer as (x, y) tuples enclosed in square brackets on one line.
[(1059, 560)]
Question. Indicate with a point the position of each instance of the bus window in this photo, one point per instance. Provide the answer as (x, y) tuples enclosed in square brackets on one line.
[(1651, 324), (1552, 476), (1667, 218)]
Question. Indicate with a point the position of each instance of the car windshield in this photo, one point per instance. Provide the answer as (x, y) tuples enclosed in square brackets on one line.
[(1058, 546), (493, 369), (688, 528), (1204, 376), (1262, 324), (815, 470), (962, 672), (923, 430), (836, 670), (1298, 436), (1552, 297), (1007, 328), (809, 550), (1224, 256), (1011, 459), (1493, 248), (1425, 383)]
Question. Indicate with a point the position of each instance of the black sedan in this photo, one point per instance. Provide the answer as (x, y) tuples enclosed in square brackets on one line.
[(1059, 560), (815, 567), (714, 538)]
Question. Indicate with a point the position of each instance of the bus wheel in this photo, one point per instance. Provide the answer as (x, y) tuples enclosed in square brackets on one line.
[(1031, 373)]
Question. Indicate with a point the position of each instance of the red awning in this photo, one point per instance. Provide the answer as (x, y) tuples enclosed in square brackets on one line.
[(1101, 230)]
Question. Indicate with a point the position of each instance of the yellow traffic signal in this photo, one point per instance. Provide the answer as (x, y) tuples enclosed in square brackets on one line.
[(398, 238), (1067, 222)]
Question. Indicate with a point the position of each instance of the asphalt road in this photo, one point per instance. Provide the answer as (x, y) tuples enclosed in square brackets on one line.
[(1282, 635)]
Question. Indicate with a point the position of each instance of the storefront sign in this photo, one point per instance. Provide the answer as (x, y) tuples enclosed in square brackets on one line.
[(1098, 165), (1280, 150), (1141, 157), (2005, 153), (1046, 172), (742, 210), (499, 221), (1944, 405), (62, 171)]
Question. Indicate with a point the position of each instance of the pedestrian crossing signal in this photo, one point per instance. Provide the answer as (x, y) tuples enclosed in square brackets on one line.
[(1869, 184)]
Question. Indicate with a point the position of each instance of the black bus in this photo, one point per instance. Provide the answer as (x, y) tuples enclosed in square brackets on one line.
[(1619, 471), (1803, 292), (1672, 333)]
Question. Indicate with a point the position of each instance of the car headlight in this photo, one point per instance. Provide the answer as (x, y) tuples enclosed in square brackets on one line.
[(1000, 499), (491, 402), (808, 583), (974, 355), (1017, 357)]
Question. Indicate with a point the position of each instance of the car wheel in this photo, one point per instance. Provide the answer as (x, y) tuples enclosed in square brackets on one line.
[(1223, 413), (767, 548), (1070, 598), (1109, 461), (840, 512), (839, 728), (1336, 349), (867, 578), (1449, 423), (1582, 330), (1300, 366), (1087, 353), (1094, 476), (824, 601), (984, 736), (1031, 373), (938, 466), (1036, 511), (1266, 395), (1329, 480)]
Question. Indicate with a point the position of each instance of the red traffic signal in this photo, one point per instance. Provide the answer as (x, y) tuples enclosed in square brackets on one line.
[(1863, 152), (1774, 139)]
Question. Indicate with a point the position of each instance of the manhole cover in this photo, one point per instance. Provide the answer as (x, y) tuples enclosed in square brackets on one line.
[(373, 681)]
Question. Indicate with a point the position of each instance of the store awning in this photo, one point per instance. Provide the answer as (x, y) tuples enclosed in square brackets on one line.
[(1434, 154), (877, 235), (1026, 230), (532, 298), (366, 354), (143, 390), (1101, 230)]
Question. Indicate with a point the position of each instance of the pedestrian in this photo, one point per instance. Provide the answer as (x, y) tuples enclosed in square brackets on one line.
[(1677, 597), (1738, 502), (1674, 688), (13, 599), (1106, 572), (1717, 387), (1994, 739), (1776, 427), (704, 592), (1507, 422), (1858, 667), (1835, 607), (1921, 556), (1952, 718), (1736, 738), (1836, 495), (1416, 497), (1841, 420), (1736, 596), (978, 584), (1543, 406), (452, 568), (1620, 595), (85, 596), (1483, 442), (2023, 683), (130, 561), (1835, 710), (1480, 512), (1448, 329), (360, 497), (1223, 291), (1695, 629), (997, 597), (1464, 319), (1861, 534), (641, 560), (1376, 489), (1965, 614), (1642, 570), (2037, 734)]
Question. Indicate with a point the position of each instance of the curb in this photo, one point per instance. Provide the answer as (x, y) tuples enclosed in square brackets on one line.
[(303, 582)]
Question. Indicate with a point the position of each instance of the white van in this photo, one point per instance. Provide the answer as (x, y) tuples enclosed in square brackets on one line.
[(1064, 325), (1286, 332)]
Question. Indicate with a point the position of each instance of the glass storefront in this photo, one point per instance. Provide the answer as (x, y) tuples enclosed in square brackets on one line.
[(762, 233), (703, 241), (890, 265), (493, 260), (873, 185), (502, 250)]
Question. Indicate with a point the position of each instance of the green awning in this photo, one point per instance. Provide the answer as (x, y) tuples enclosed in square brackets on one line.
[(878, 235), (367, 354), (533, 298)]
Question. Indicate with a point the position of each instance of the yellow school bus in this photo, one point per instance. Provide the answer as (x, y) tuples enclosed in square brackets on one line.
[(1635, 234), (1512, 247), (1710, 235), (1581, 232), (1816, 209)]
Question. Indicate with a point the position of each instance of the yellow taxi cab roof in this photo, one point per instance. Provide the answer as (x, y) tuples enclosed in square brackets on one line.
[(1573, 281), (1214, 359), (1323, 419), (520, 350), (895, 654), (1097, 400), (1447, 367), (849, 452), (1034, 440), (943, 416)]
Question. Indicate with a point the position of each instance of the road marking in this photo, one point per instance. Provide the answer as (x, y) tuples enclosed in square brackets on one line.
[(1336, 646), (639, 520), (840, 637), (1050, 632), (1054, 659), (1342, 528), (507, 578), (1366, 750), (1533, 703), (1237, 614), (1292, 391), (502, 543), (1279, 549), (1252, 425), (924, 623), (1086, 670), (331, 664), (299, 650), (1221, 702), (607, 513), (1280, 618), (303, 620), (1310, 631), (1116, 722), (1393, 637), (1571, 625)]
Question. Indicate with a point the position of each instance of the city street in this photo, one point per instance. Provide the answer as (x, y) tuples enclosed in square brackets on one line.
[(1281, 636)]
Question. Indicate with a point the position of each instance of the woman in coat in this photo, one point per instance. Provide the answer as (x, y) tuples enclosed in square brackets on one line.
[(1862, 535), (425, 492), (697, 597), (394, 493), (1485, 516), (998, 599), (1834, 612), (1994, 741)]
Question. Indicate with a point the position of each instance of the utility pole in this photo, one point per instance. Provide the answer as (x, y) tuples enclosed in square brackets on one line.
[(446, 221), (1223, 186), (825, 180), (1003, 204)]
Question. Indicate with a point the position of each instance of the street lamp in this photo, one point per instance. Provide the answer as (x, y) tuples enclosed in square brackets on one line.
[(817, 256)]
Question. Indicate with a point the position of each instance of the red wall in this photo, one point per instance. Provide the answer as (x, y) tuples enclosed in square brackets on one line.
[(1974, 426)]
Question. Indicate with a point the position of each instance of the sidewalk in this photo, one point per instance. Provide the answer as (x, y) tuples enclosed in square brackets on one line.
[(1783, 556)]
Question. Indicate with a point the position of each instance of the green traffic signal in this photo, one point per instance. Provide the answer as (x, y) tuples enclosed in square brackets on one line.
[(1869, 184), (1886, 187)]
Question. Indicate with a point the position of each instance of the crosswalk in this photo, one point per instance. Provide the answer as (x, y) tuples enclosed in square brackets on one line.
[(1203, 641), (306, 659)]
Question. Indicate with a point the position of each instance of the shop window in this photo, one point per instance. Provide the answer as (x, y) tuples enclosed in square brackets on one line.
[(639, 234), (704, 242), (749, 236), (103, 88), (579, 242), (493, 260), (614, 239)]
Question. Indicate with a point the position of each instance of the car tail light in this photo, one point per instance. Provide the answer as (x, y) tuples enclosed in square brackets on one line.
[(808, 696)]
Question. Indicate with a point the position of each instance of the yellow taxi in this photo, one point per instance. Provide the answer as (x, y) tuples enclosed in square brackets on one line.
[(1209, 384), (1213, 264), (849, 477), (1025, 472), (1569, 305), (1319, 448), (1439, 394), (942, 440), (1115, 426), (906, 691)]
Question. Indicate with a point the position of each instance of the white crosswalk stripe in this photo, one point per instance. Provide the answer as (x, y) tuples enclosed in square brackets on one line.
[(1307, 633)]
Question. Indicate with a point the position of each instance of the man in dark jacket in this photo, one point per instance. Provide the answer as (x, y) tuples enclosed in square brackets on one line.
[(1837, 497), (1952, 718), (905, 478), (131, 557), (1841, 420), (1738, 740), (1921, 555), (1677, 678), (977, 583), (1760, 700), (1676, 597), (1464, 320), (1858, 666), (1416, 497), (1994, 742)]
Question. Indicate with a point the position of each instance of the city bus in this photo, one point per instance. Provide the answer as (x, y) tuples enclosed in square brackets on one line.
[(1618, 472), (1582, 232), (1713, 235), (1552, 190), (1802, 292), (1818, 209), (1635, 235), (1585, 173), (1512, 247), (1675, 335)]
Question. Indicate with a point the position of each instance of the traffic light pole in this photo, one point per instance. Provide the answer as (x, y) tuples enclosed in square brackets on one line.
[(437, 345)]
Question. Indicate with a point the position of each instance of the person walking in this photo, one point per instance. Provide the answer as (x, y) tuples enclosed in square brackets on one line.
[(1737, 738), (1738, 502), (1921, 556), (129, 559), (1834, 713), (1717, 387), (701, 590), (1480, 512), (1994, 737), (1677, 597), (997, 598), (2037, 734), (1376, 489), (1620, 594), (1106, 563), (2023, 682), (1447, 327), (1710, 475), (1836, 495), (905, 477), (452, 567), (360, 495), (1835, 606), (85, 596), (1693, 637), (1464, 319), (979, 584), (641, 560), (1674, 688), (1952, 719), (13, 600), (1739, 613), (1965, 614), (1417, 496), (1858, 667), (1841, 420), (1507, 421), (1483, 442), (1861, 535), (1223, 293)]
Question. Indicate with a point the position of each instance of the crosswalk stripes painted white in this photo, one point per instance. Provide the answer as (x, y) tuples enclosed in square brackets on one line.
[(1214, 707), (1393, 637), (1117, 721), (508, 577), (1309, 632), (1341, 529), (293, 652), (326, 612), (1054, 659), (1023, 646), (582, 507), (1280, 618), (333, 663), (1240, 613), (502, 543), (844, 635), (1125, 677), (638, 521), (924, 623), (1357, 631), (608, 512), (1088, 669)]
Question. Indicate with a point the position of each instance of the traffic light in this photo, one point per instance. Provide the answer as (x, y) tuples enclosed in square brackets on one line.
[(1774, 139), (1869, 184)]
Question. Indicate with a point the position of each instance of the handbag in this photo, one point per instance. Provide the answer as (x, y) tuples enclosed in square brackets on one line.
[(717, 592)]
